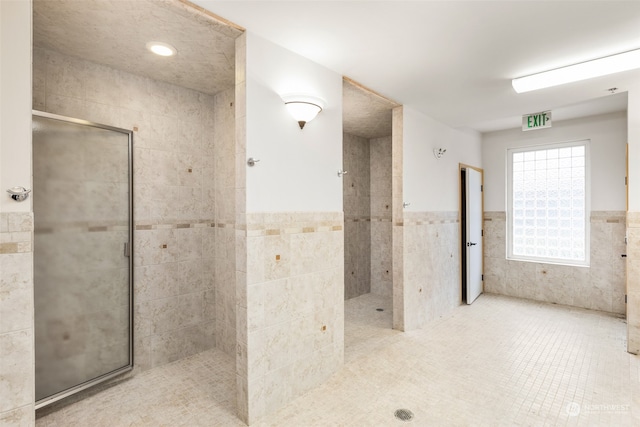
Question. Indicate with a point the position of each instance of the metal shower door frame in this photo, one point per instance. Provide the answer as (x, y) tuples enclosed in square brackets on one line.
[(105, 377)]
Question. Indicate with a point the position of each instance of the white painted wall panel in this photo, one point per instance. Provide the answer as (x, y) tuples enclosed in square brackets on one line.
[(608, 135), (15, 101), (431, 184), (298, 168)]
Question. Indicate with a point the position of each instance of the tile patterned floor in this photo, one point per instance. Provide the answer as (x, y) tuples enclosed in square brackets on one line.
[(499, 362)]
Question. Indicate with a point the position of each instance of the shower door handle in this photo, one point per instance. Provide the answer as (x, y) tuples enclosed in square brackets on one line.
[(127, 250)]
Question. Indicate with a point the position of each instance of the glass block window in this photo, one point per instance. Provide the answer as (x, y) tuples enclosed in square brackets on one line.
[(548, 203)]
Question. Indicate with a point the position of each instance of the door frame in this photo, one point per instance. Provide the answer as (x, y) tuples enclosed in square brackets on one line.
[(462, 247)]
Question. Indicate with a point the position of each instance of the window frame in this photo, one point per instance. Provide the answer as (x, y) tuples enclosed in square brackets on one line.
[(587, 208)]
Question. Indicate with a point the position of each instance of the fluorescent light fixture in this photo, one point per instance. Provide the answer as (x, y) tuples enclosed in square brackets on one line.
[(303, 108), (573, 73), (162, 49)]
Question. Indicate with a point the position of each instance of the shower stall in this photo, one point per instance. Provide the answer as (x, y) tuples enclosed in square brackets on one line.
[(82, 184)]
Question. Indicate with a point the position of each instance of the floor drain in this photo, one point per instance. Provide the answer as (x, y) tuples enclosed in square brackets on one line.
[(404, 414), (379, 309)]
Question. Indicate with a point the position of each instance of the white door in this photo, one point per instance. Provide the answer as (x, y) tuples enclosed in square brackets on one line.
[(473, 192)]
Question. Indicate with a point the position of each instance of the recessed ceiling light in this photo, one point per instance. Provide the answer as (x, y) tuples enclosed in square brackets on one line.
[(162, 49)]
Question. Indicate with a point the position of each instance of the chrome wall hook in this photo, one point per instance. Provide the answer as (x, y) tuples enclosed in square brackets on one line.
[(252, 162), (341, 173)]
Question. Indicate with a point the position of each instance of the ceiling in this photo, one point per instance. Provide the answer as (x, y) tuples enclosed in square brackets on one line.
[(365, 113), (115, 33), (454, 60)]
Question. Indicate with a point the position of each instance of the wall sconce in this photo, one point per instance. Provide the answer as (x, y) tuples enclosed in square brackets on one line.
[(303, 108), (439, 152)]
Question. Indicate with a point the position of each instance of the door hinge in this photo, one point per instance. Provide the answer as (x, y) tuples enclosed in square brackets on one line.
[(483, 277), (127, 249), (482, 188), (625, 298), (482, 233), (625, 181)]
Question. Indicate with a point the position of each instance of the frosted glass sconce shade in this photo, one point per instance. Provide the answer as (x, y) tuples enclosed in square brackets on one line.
[(303, 108)]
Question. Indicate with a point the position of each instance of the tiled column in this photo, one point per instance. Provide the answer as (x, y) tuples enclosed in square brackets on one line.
[(633, 282), (633, 221), (243, 394), (397, 219)]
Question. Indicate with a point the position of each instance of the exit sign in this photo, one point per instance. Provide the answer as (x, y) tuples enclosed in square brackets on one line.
[(536, 121)]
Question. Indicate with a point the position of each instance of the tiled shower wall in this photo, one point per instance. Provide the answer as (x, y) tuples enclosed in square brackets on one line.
[(381, 243), (16, 314), (600, 286), (357, 215), (431, 266), (175, 187), (367, 210)]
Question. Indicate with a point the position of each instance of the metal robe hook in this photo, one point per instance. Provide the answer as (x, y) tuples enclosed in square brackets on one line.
[(341, 173), (252, 162)]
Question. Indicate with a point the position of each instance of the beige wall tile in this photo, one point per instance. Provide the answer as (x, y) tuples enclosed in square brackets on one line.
[(20, 417), (16, 370), (599, 286), (291, 318), (16, 291)]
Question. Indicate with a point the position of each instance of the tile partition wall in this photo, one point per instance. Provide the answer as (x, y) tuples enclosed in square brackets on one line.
[(16, 312), (426, 260), (381, 208), (431, 266), (294, 306), (357, 216), (175, 187), (600, 286), (289, 291)]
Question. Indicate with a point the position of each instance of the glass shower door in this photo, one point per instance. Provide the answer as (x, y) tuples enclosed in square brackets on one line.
[(82, 263)]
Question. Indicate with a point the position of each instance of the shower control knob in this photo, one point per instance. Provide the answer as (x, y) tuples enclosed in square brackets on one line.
[(18, 194)]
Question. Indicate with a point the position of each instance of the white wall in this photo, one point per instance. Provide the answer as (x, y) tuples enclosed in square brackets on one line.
[(430, 184), (15, 101), (298, 168), (608, 135)]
